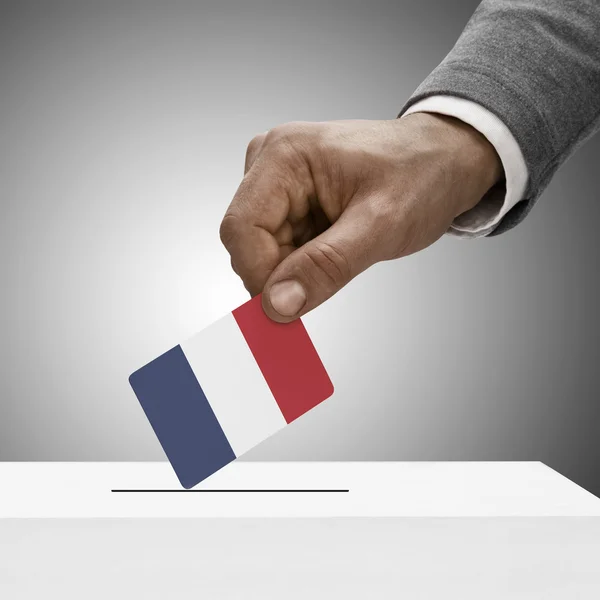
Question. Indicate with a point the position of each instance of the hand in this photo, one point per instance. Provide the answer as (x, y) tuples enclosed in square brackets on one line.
[(322, 202)]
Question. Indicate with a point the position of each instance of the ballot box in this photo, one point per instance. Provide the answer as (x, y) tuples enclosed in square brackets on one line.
[(292, 530)]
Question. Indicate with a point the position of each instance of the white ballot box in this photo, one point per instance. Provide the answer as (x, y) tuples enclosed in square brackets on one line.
[(288, 530)]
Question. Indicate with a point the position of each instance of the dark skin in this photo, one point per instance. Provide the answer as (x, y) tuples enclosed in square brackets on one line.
[(322, 202)]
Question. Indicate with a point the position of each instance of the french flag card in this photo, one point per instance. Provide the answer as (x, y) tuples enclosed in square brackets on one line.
[(228, 388)]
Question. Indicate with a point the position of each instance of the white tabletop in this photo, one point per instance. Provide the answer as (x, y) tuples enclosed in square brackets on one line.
[(293, 489)]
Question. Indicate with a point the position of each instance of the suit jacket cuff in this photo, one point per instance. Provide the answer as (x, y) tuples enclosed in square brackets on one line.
[(485, 217)]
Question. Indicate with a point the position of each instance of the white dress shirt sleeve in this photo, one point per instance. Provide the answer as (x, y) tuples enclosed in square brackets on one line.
[(482, 219)]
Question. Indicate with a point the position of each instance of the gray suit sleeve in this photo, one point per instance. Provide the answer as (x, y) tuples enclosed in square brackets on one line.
[(536, 65)]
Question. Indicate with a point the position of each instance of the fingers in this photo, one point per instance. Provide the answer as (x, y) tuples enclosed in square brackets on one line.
[(257, 229), (253, 150), (279, 235), (254, 251), (317, 270)]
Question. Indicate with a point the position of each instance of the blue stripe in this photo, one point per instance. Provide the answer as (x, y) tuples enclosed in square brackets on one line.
[(181, 417)]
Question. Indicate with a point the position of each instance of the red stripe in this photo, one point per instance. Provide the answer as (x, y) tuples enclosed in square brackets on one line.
[(287, 359)]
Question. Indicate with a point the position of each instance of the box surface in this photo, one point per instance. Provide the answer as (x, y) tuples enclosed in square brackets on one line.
[(298, 530)]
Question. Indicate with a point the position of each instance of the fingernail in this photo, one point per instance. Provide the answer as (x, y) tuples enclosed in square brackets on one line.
[(287, 297)]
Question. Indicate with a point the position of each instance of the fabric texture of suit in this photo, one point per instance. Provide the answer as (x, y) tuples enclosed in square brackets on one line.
[(536, 65)]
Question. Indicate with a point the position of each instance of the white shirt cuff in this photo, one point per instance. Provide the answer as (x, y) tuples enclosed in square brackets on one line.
[(484, 217)]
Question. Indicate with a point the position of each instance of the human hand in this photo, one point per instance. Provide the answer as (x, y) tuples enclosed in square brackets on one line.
[(321, 202)]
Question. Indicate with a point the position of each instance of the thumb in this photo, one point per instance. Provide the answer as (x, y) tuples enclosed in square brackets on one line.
[(317, 270)]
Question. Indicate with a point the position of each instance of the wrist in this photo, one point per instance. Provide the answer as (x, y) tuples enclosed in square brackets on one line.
[(470, 158)]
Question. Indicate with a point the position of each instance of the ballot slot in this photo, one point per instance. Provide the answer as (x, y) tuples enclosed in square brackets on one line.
[(291, 490)]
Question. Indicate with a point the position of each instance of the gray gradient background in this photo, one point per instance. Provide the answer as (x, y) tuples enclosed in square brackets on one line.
[(123, 128)]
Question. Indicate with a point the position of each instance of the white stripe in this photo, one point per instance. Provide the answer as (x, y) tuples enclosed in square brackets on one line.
[(233, 384)]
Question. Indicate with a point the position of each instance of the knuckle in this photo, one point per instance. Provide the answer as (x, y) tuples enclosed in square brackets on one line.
[(285, 151), (276, 135), (254, 146), (228, 229), (287, 136), (330, 262), (283, 131)]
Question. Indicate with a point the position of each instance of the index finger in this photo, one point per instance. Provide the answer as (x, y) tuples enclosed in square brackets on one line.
[(255, 230)]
